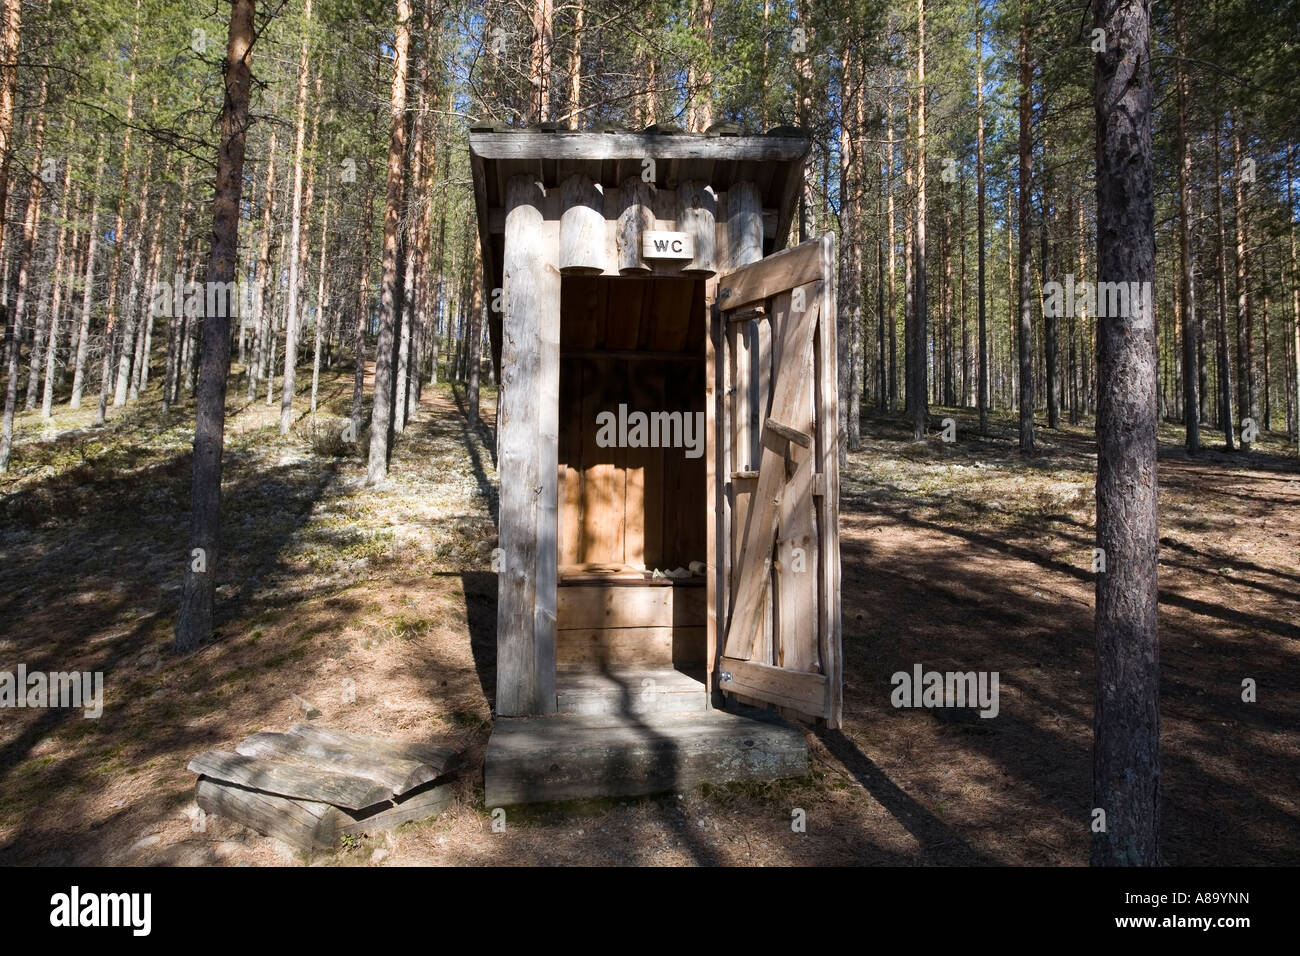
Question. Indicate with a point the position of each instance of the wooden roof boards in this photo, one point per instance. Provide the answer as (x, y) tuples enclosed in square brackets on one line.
[(773, 161)]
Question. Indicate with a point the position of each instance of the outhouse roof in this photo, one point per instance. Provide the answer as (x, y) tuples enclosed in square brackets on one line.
[(724, 155)]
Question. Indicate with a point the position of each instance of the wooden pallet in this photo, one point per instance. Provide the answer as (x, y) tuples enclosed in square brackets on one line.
[(313, 785)]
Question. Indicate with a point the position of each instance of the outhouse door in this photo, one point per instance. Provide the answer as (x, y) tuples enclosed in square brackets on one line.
[(778, 425)]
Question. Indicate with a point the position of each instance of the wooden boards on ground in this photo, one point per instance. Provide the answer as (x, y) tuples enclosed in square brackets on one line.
[(311, 785)]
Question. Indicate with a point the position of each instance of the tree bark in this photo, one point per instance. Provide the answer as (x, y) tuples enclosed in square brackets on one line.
[(363, 304), (1247, 405), (1295, 297), (110, 324), (88, 290), (144, 343), (575, 67), (31, 222), (890, 228), (321, 321), (1224, 369), (45, 351), (11, 23), (539, 67), (1051, 324), (921, 410), (194, 625), (296, 243), (1025, 330), (475, 334), (983, 385), (1126, 749), (262, 330), (131, 307), (381, 418), (1191, 383)]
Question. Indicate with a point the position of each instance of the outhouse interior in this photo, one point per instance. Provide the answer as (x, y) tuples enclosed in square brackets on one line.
[(632, 513)]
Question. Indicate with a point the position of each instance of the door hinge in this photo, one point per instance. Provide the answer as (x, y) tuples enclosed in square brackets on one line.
[(724, 676)]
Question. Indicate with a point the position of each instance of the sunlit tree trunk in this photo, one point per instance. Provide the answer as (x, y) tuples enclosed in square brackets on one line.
[(194, 624), (297, 244), (381, 418)]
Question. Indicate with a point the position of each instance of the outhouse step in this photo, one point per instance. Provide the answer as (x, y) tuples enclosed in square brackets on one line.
[(572, 757), (644, 690)]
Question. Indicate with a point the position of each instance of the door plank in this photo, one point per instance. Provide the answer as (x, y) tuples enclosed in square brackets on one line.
[(777, 273), (796, 341), (803, 692)]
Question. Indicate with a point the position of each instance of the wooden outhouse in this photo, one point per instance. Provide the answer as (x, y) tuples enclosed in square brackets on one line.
[(667, 457)]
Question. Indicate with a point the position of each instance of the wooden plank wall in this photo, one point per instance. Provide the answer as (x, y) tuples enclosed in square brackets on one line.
[(527, 441), (626, 507)]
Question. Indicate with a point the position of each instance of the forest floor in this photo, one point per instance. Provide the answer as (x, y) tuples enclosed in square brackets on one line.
[(955, 556)]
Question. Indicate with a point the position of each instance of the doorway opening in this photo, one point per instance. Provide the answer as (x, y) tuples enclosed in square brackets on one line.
[(633, 508)]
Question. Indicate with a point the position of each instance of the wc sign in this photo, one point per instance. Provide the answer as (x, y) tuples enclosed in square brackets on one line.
[(667, 245)]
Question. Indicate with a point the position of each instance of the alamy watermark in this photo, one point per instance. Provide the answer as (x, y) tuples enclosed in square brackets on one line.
[(922, 688), (60, 689), (651, 430), (1102, 300), (75, 908), (192, 299)]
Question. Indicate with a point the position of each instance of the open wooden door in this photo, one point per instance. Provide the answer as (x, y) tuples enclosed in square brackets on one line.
[(778, 428)]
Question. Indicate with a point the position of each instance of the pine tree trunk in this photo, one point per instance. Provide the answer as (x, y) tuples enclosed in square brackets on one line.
[(31, 222), (88, 291), (1051, 324), (45, 357), (983, 384), (144, 342), (177, 321), (575, 67), (321, 321), (1191, 383), (381, 418), (967, 382), (1224, 372), (46, 331), (1246, 399), (261, 329), (194, 624), (55, 372), (363, 305), (1126, 749), (1295, 299), (920, 349), (11, 15), (297, 245), (114, 301), (890, 228), (1268, 386), (410, 247), (1024, 331), (539, 71), (131, 308), (857, 363), (909, 273), (476, 335), (850, 279), (882, 384)]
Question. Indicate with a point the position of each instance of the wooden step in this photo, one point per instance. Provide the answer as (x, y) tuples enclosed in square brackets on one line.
[(572, 757), (643, 690)]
